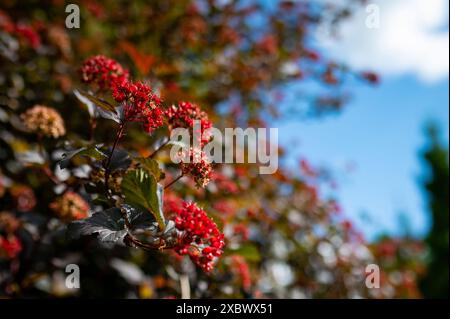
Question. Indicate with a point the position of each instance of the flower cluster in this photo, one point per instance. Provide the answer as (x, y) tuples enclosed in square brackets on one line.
[(184, 114), (104, 72), (60, 38), (10, 246), (70, 206), (241, 230), (241, 268), (224, 183), (22, 30), (171, 201), (29, 34), (196, 164), (23, 196), (200, 238), (44, 120), (140, 104)]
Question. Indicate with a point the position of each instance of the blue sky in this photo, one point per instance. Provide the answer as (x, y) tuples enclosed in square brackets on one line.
[(382, 132), (382, 129)]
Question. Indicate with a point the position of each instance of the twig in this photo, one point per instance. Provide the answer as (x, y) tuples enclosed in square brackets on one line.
[(174, 181), (158, 149), (108, 163)]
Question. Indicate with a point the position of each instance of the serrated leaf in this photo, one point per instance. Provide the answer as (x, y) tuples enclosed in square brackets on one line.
[(92, 151), (108, 224), (151, 166), (142, 191)]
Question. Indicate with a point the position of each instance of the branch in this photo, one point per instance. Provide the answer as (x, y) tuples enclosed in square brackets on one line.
[(108, 163), (174, 181), (158, 149)]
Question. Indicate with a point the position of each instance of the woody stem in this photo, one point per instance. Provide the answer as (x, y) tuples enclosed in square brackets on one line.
[(108, 163)]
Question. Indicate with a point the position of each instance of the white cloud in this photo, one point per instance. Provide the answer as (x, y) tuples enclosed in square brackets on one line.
[(413, 38)]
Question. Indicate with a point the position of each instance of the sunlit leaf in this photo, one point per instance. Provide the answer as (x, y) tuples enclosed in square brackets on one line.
[(151, 165), (142, 191)]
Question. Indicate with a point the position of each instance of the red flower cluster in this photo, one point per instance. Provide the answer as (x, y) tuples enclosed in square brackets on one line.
[(22, 30), (184, 114), (105, 72), (29, 34), (171, 201), (10, 246), (241, 230), (140, 104), (224, 183), (240, 267), (200, 238), (196, 164), (224, 207)]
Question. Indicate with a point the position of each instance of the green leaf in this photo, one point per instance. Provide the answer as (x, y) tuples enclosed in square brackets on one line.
[(151, 166), (142, 191), (249, 252)]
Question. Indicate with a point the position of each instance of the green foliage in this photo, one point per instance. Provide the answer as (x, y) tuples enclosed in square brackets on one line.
[(436, 282), (142, 191), (151, 166)]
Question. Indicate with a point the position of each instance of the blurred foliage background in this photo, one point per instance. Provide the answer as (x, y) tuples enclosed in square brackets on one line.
[(284, 239)]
